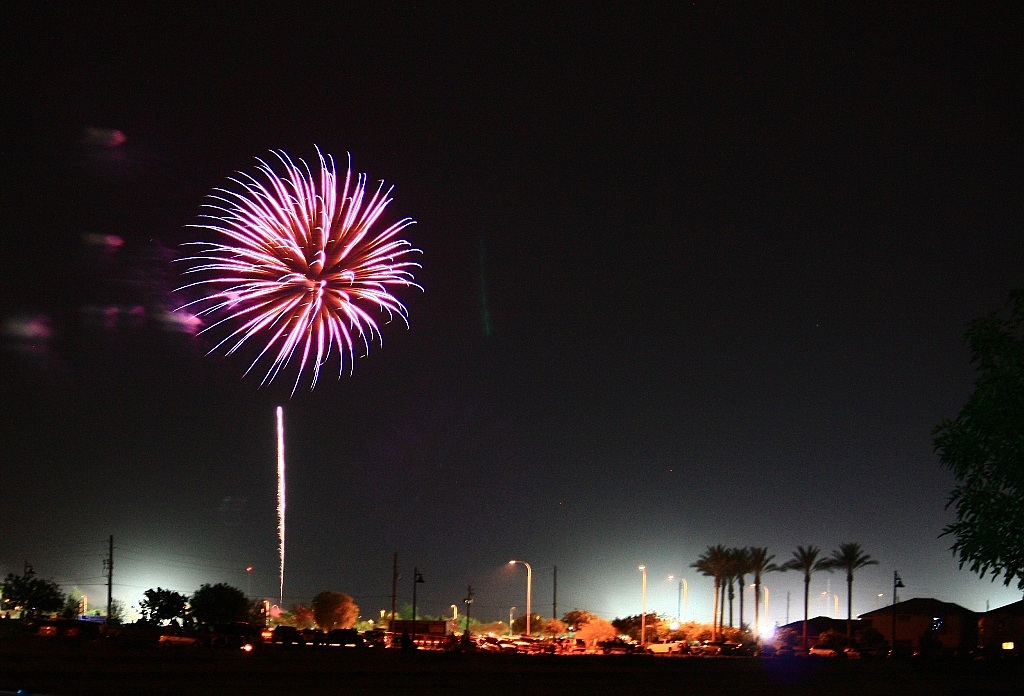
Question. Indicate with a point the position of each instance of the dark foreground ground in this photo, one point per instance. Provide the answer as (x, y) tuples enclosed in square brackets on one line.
[(58, 670)]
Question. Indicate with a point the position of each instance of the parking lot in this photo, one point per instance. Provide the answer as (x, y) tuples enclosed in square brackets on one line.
[(60, 669)]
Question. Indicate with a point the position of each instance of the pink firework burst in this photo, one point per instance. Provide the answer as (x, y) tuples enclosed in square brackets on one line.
[(302, 269)]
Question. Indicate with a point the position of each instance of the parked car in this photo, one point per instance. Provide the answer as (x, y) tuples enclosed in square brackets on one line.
[(313, 636), (672, 647), (71, 629), (617, 646), (823, 651), (178, 637), (346, 638), (287, 635), (235, 635), (376, 638), (572, 646)]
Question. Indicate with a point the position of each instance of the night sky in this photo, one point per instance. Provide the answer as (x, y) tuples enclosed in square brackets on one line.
[(693, 274)]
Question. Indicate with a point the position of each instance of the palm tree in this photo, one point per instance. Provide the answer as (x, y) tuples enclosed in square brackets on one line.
[(730, 580), (850, 557), (760, 563), (713, 564), (805, 559), (741, 568)]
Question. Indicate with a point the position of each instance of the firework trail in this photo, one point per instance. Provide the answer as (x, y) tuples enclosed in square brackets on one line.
[(280, 500), (302, 267)]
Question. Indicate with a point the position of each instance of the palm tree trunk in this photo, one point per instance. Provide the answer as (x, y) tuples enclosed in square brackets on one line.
[(849, 605), (732, 596), (807, 595), (721, 610), (714, 613), (757, 600), (743, 587)]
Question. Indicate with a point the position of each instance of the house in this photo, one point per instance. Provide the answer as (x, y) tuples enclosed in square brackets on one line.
[(926, 624), (1001, 631)]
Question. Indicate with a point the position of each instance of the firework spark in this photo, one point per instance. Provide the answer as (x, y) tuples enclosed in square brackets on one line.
[(303, 266)]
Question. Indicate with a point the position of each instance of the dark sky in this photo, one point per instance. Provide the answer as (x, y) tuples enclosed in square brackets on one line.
[(693, 275)]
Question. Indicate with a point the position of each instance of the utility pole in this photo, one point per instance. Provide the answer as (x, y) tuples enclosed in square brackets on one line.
[(417, 579), (110, 579), (394, 588), (554, 597), (469, 606)]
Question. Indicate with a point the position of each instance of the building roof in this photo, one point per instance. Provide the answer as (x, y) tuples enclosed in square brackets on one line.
[(1014, 609), (820, 624), (920, 606)]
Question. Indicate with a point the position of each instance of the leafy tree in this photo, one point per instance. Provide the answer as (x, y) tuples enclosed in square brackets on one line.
[(302, 616), (74, 604), (495, 627), (33, 595), (160, 605), (519, 624), (334, 610), (850, 557), (115, 612), (597, 629), (760, 563), (786, 638), (553, 627), (220, 603), (631, 625), (577, 618), (870, 637), (832, 639), (984, 448), (805, 559)]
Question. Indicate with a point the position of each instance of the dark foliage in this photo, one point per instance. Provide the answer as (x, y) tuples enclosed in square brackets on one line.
[(984, 448), (220, 603)]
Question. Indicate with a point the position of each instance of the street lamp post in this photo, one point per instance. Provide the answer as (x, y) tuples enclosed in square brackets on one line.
[(684, 595), (643, 607), (767, 602), (529, 591), (767, 608), (897, 582), (511, 611)]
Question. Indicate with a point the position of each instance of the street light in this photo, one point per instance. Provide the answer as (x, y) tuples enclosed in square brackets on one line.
[(643, 607), (767, 608), (529, 591), (767, 602), (897, 582), (684, 596)]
